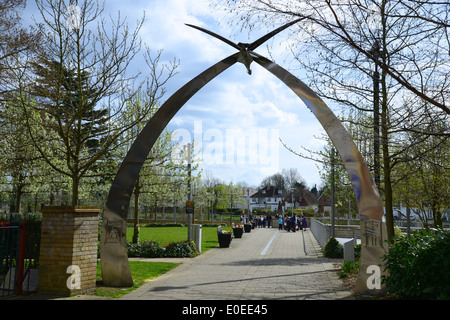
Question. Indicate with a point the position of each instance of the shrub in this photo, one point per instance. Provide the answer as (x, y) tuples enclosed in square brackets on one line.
[(145, 249), (184, 249), (398, 233), (333, 249), (304, 212), (418, 266), (215, 225), (349, 268), (357, 250), (164, 225), (152, 249)]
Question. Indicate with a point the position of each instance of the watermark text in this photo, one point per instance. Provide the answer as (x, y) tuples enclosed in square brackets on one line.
[(233, 146)]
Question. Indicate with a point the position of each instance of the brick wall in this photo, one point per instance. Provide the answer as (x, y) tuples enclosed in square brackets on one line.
[(69, 238)]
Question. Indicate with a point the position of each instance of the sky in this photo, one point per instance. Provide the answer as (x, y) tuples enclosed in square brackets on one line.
[(258, 107)]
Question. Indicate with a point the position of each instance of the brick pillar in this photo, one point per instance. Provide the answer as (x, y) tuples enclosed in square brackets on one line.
[(68, 252)]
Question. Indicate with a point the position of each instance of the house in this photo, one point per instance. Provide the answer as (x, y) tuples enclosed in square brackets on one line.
[(324, 204), (301, 199), (247, 194), (267, 198)]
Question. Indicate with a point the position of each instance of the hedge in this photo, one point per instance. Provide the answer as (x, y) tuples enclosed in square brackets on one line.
[(152, 249), (418, 267)]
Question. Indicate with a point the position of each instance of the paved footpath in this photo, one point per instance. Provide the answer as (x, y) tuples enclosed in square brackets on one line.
[(265, 264)]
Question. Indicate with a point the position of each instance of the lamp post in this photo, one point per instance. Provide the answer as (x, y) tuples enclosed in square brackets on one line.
[(375, 52), (212, 204), (292, 200), (248, 204), (189, 189), (332, 193)]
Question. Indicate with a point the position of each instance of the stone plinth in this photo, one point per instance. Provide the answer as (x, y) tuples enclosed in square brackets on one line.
[(68, 252)]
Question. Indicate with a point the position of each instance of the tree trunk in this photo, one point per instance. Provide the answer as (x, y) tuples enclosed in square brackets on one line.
[(136, 212), (388, 198), (19, 197), (437, 215), (388, 201), (75, 191)]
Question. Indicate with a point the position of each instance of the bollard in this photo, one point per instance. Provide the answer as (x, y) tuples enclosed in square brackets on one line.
[(197, 232), (349, 251)]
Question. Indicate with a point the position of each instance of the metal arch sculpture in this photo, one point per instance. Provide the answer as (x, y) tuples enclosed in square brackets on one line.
[(114, 259)]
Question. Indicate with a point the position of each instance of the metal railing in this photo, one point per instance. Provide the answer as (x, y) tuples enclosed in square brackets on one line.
[(9, 249), (19, 256), (322, 232)]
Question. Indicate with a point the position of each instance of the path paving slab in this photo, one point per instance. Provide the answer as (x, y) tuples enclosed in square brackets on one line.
[(265, 264)]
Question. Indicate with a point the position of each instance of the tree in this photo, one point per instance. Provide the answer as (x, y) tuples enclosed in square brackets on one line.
[(227, 196), (342, 44), (422, 52), (83, 88), (18, 157), (287, 179), (209, 183), (293, 179), (423, 181), (73, 115), (14, 41), (277, 180), (157, 174)]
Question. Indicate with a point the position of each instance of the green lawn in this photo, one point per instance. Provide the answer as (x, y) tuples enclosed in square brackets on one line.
[(143, 272), (165, 235)]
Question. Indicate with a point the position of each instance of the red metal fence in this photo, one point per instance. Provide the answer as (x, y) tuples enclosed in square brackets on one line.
[(19, 256)]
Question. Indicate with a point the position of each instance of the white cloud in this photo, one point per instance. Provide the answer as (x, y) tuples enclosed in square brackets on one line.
[(166, 29), (232, 100)]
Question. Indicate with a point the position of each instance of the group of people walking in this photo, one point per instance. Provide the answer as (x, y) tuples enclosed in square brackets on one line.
[(287, 223), (262, 221), (293, 223)]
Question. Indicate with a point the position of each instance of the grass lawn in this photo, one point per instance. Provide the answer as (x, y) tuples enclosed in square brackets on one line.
[(142, 271), (165, 235)]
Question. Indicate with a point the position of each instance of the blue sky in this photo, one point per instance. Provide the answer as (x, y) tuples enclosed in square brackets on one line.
[(259, 105)]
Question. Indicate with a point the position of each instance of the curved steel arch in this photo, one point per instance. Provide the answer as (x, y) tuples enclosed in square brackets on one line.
[(114, 259), (366, 192), (113, 252), (370, 207)]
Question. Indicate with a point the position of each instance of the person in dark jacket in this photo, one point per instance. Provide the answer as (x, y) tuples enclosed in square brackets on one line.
[(304, 223)]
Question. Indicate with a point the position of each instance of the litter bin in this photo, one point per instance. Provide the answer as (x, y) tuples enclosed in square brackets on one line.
[(197, 236)]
